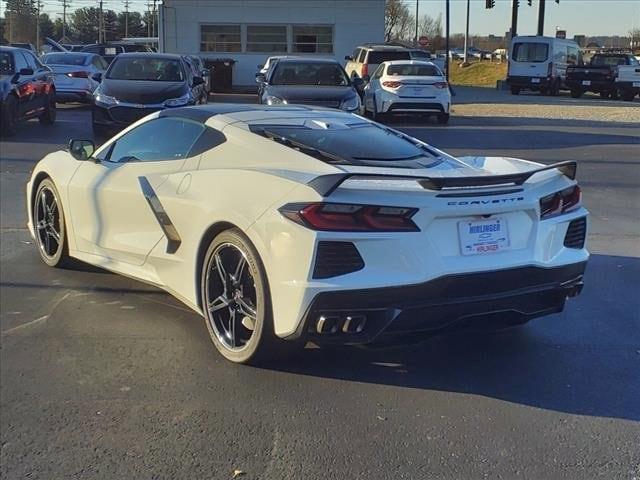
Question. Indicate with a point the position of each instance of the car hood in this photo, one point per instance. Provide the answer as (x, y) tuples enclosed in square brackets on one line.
[(142, 92), (310, 93)]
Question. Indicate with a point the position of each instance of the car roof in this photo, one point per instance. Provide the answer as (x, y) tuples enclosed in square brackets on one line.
[(163, 56), (307, 59), (8, 48), (88, 54), (408, 62), (395, 48)]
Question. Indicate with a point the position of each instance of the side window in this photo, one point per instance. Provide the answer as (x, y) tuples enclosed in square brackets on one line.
[(31, 61), (363, 54), (633, 61), (572, 56), (155, 140), (379, 71), (98, 63), (19, 61), (355, 54)]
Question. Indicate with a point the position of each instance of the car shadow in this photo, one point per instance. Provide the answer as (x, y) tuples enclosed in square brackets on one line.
[(584, 361)]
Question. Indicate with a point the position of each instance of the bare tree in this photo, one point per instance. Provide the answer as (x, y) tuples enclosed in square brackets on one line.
[(398, 21)]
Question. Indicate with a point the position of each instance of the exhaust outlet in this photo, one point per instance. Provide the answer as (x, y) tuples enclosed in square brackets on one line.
[(354, 324)]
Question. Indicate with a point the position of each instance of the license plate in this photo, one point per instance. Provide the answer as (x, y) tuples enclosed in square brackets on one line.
[(636, 84), (62, 78), (586, 82), (418, 90), (483, 236), (535, 80)]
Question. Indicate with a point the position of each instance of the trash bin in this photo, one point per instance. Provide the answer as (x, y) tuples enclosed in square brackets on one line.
[(221, 74)]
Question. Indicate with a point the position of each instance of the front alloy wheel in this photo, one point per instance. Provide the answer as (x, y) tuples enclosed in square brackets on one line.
[(48, 223), (235, 299)]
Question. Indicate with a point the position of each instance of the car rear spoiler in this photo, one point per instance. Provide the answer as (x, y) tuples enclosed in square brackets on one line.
[(325, 185)]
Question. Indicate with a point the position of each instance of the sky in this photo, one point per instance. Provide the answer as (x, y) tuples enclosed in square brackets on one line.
[(577, 17), (588, 17)]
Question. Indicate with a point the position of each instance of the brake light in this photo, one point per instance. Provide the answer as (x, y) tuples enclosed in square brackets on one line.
[(440, 85), (560, 202), (365, 70), (343, 217), (550, 69), (80, 74), (391, 84)]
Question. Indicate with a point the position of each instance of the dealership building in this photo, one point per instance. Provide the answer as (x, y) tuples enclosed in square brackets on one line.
[(249, 31)]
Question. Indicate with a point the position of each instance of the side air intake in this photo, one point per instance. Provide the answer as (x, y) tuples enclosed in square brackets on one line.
[(336, 258), (576, 233)]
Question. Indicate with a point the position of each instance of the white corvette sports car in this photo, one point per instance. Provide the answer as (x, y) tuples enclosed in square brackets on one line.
[(294, 223)]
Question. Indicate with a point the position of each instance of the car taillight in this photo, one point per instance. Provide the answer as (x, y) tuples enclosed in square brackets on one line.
[(440, 85), (343, 217), (391, 84), (560, 202), (550, 69), (365, 70), (80, 74)]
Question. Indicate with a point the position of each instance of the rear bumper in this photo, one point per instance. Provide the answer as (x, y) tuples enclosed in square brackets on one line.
[(629, 86), (477, 300), (594, 86), (415, 107), (528, 82), (83, 96)]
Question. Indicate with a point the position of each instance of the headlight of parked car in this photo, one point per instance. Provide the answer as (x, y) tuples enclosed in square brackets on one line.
[(271, 100), (351, 104), (100, 97), (178, 102)]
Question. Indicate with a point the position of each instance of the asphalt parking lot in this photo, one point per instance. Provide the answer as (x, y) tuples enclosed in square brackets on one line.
[(104, 377)]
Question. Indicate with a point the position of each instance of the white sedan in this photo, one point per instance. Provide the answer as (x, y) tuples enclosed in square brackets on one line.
[(282, 225), (407, 87)]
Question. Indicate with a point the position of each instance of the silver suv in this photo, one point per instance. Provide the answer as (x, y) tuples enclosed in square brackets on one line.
[(366, 58)]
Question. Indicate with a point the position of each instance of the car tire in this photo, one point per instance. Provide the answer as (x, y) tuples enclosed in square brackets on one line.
[(443, 118), (10, 116), (627, 95), (515, 90), (614, 94), (49, 225), (554, 89), (246, 340), (576, 93), (48, 117)]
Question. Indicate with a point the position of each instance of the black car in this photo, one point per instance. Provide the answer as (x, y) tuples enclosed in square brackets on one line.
[(26, 89), (109, 51), (310, 81), (137, 84), (599, 75)]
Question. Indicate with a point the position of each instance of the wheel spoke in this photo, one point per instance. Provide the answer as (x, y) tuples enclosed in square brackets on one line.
[(222, 273), (54, 234), (43, 203), (232, 326), (237, 274), (218, 303), (53, 208), (245, 309), (47, 243)]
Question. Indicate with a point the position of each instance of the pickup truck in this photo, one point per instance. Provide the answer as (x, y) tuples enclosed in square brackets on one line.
[(628, 81), (599, 75)]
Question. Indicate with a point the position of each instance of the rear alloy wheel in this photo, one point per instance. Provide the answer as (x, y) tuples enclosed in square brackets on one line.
[(443, 118), (627, 95), (48, 117), (9, 112), (576, 93), (235, 299), (49, 226)]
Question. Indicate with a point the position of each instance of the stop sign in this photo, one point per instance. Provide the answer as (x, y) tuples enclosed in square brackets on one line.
[(423, 41)]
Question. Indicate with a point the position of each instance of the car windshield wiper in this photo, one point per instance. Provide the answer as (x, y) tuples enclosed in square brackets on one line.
[(304, 148)]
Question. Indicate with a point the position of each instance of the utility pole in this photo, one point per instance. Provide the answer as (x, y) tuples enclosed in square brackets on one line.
[(126, 18), (514, 17), (65, 4), (149, 19), (101, 25), (446, 27), (541, 17), (415, 38), (466, 35), (38, 7)]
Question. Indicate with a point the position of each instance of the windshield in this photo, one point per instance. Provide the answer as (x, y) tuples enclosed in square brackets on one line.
[(6, 65), (413, 70), (307, 73), (65, 59), (356, 144), (530, 52), (379, 57), (147, 68), (420, 54), (607, 61)]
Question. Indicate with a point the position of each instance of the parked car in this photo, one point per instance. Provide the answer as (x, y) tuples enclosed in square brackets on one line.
[(26, 46), (599, 75), (366, 58), (426, 56), (540, 63), (109, 51), (26, 90), (74, 74), (136, 84), (269, 62), (628, 81), (199, 70), (286, 225), (407, 87), (73, 48), (309, 81)]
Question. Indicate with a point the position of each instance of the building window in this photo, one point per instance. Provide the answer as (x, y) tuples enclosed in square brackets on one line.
[(267, 38), (220, 38), (312, 39)]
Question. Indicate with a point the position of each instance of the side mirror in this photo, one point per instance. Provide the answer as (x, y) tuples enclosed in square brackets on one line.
[(81, 149), (26, 72), (260, 78), (358, 83), (197, 81), (97, 76), (348, 58), (205, 73)]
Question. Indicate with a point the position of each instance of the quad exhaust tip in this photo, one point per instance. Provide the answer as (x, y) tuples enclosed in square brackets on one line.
[(349, 324)]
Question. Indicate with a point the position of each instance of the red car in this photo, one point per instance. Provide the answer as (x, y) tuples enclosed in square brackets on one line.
[(26, 89)]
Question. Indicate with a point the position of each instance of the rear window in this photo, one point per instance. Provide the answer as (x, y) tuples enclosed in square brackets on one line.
[(608, 61), (530, 52), (6, 64), (356, 144), (379, 57), (413, 70), (65, 59)]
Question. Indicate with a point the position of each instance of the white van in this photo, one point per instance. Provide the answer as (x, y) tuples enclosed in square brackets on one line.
[(540, 63)]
